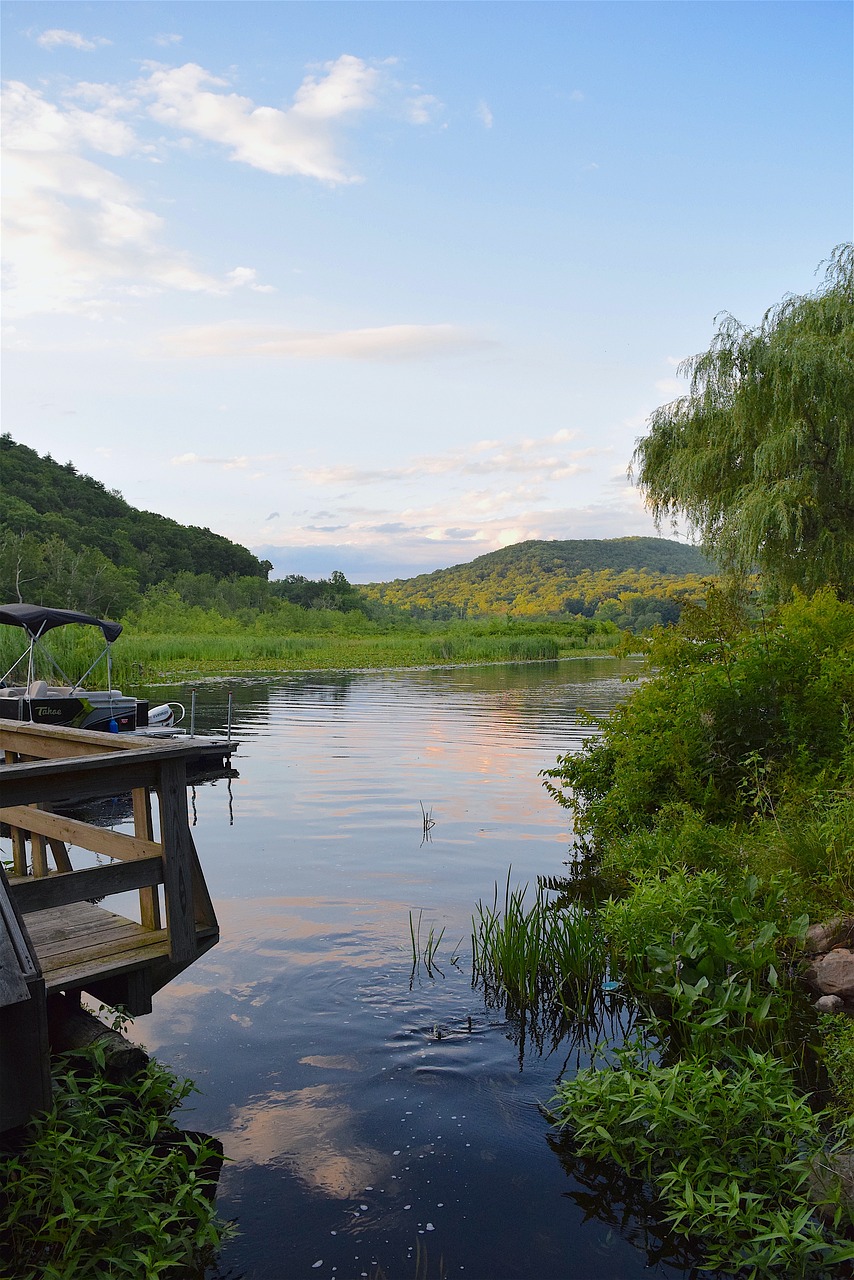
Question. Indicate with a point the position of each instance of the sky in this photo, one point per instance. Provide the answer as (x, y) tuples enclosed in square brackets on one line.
[(380, 287)]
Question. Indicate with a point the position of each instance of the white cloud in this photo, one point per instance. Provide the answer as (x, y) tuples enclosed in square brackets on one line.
[(194, 459), (299, 140), (76, 236), (484, 115), (670, 387), (56, 37), (576, 96), (247, 277), (536, 459), (79, 238), (389, 342), (167, 38), (422, 108)]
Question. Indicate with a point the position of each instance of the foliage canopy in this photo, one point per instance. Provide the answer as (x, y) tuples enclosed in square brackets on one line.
[(759, 456)]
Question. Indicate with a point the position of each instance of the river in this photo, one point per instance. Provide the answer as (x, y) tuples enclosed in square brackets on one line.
[(380, 1121)]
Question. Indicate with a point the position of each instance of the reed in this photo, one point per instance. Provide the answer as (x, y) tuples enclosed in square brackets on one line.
[(538, 957), (424, 950)]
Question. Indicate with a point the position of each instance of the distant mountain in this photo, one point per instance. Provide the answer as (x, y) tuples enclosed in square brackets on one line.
[(575, 576), (46, 498)]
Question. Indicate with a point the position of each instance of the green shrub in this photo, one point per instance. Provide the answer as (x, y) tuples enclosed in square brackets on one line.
[(737, 718), (102, 1187), (728, 1151)]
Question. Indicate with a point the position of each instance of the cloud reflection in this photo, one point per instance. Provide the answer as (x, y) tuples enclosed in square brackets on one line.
[(309, 1131)]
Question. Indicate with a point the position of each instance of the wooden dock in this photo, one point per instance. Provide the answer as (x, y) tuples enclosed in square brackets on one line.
[(75, 944)]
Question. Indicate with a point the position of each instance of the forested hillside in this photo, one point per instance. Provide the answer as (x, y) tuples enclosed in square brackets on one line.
[(65, 539), (635, 582)]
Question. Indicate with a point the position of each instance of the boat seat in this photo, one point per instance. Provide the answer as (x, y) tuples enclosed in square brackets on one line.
[(14, 691), (38, 689)]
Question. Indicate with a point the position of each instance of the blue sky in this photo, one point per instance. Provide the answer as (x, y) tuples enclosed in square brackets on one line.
[(381, 287)]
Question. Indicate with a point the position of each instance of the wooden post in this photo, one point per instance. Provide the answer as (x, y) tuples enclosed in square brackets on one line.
[(60, 854), (19, 851), (177, 861), (39, 848), (149, 899)]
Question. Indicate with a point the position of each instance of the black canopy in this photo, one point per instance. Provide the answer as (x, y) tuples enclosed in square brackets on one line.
[(35, 619)]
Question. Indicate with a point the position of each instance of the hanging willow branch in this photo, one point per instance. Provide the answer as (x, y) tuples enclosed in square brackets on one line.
[(759, 455)]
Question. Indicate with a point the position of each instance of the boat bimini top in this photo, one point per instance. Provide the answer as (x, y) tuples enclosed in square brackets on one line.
[(36, 619)]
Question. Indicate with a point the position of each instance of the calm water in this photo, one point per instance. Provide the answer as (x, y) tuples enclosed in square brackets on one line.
[(370, 1113)]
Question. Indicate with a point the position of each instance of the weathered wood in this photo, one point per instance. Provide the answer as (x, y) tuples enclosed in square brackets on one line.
[(81, 944), (37, 894), (61, 860), (19, 851), (177, 861), (149, 899), (25, 1085), (58, 741), (39, 853), (113, 844), (13, 986), (72, 1027)]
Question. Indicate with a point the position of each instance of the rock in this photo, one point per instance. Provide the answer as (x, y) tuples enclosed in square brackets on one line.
[(833, 933), (829, 1004), (832, 1182), (833, 973)]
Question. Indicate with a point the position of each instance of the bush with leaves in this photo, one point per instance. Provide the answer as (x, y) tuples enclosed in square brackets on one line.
[(729, 1149), (738, 718), (107, 1186)]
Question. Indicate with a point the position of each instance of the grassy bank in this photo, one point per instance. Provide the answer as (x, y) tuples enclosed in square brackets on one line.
[(143, 658), (716, 812)]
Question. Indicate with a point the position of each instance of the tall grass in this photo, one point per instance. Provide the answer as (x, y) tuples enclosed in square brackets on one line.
[(538, 957), (494, 649), (139, 659)]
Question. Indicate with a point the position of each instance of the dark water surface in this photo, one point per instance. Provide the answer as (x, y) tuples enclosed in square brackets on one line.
[(369, 1113)]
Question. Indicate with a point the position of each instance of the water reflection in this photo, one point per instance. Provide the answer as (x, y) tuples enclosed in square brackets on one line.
[(364, 1106)]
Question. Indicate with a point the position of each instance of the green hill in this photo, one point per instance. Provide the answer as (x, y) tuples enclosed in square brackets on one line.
[(65, 539), (576, 576)]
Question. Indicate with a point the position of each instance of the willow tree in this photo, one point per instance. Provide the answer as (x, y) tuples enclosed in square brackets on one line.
[(759, 455)]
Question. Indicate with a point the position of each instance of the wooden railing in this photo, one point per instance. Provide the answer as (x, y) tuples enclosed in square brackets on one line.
[(45, 767)]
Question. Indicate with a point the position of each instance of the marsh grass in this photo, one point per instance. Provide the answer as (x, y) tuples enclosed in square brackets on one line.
[(146, 658), (538, 956), (424, 949)]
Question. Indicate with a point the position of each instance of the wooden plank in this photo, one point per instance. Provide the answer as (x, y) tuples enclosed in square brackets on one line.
[(78, 976), (61, 741), (19, 852), (13, 923), (91, 775), (203, 914), (13, 987), (143, 825), (39, 852), (113, 950), (61, 860), (93, 882), (113, 844), (177, 861), (62, 781)]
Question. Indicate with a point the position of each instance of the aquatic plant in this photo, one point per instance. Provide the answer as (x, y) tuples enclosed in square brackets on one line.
[(424, 950), (538, 955)]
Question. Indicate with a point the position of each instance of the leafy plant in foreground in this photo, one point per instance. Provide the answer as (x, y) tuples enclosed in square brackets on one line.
[(107, 1186), (729, 1151)]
